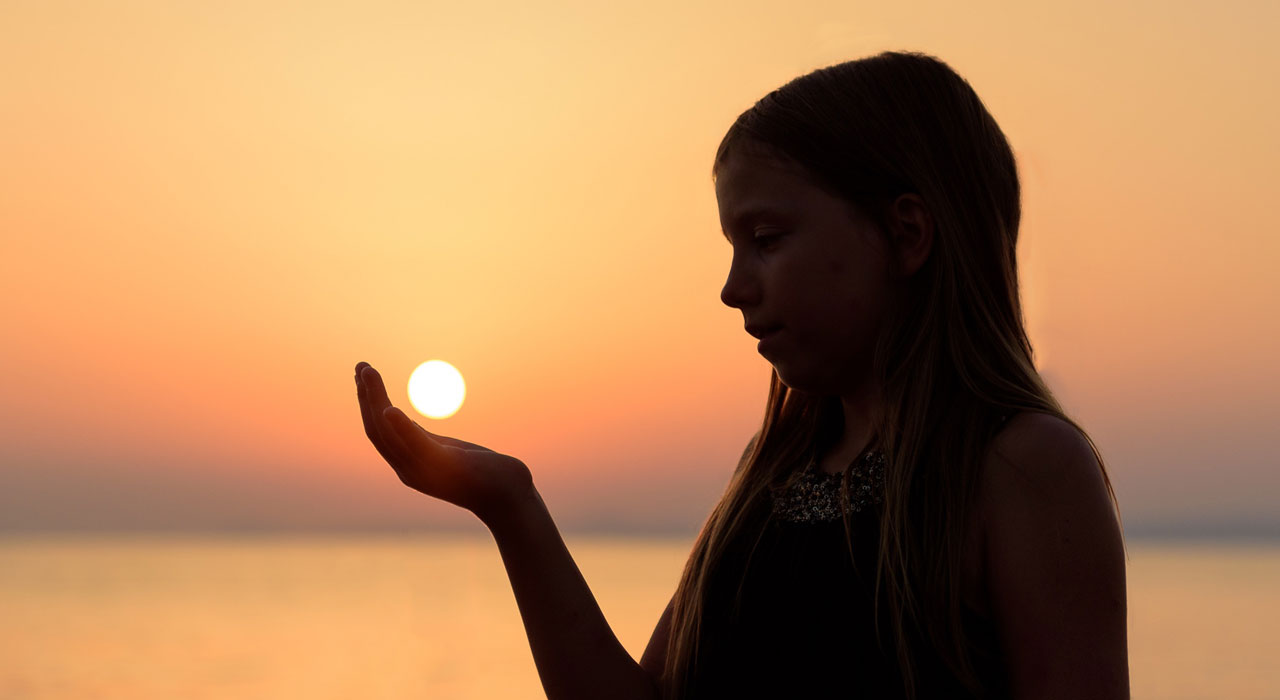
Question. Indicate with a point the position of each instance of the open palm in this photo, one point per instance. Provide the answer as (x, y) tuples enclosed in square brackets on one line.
[(462, 473)]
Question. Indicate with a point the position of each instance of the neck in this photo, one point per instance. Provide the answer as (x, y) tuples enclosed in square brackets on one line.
[(857, 426), (855, 435)]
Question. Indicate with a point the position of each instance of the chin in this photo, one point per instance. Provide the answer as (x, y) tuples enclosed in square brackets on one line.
[(801, 382)]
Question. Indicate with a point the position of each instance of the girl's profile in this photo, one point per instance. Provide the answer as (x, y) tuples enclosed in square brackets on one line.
[(916, 516)]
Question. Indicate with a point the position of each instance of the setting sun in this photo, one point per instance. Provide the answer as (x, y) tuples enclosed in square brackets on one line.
[(436, 389)]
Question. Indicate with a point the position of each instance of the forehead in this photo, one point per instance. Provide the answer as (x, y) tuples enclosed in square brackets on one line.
[(754, 187)]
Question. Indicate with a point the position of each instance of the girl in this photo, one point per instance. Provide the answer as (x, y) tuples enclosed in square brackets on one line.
[(916, 516)]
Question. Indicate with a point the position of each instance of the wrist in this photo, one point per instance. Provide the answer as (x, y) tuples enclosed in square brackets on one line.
[(514, 511)]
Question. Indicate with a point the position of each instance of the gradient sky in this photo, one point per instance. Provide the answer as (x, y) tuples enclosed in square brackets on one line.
[(210, 212)]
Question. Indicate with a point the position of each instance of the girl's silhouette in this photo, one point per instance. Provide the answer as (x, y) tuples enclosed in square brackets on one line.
[(916, 516)]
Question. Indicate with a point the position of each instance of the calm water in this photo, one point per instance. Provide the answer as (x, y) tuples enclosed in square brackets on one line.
[(147, 618)]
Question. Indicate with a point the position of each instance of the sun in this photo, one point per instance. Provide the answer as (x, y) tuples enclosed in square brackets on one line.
[(436, 389)]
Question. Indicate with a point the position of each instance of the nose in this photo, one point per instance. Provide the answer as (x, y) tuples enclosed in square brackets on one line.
[(740, 288)]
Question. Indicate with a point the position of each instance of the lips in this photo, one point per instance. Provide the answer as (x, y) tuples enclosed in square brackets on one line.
[(769, 342), (761, 331)]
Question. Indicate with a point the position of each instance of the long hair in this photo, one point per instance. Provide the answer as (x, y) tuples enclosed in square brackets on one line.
[(951, 359)]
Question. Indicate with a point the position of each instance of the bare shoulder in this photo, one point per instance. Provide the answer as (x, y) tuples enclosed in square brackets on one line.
[(1054, 561), (1043, 489), (1041, 455)]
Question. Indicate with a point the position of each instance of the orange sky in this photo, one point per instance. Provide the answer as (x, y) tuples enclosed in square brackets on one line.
[(210, 213)]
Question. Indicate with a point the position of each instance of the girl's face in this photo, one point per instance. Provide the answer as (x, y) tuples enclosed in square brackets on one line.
[(807, 264)]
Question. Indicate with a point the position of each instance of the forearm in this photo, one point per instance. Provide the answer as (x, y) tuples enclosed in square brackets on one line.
[(577, 654)]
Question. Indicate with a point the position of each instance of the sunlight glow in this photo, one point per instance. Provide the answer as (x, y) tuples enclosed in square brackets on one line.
[(436, 389)]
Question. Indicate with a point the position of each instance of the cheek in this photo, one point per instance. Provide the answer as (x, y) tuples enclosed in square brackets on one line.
[(846, 311)]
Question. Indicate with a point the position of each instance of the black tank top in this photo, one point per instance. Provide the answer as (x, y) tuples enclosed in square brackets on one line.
[(805, 628)]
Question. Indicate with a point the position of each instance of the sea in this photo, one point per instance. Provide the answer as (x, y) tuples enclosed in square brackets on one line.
[(151, 617)]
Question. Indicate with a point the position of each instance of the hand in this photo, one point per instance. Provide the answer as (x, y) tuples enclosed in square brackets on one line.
[(476, 478)]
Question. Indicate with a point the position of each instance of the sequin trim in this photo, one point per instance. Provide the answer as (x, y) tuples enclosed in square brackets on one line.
[(815, 497)]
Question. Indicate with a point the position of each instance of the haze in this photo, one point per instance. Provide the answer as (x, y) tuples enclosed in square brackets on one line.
[(210, 213)]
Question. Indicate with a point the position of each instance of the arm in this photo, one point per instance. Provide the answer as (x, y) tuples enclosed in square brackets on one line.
[(654, 657), (577, 654), (1055, 564)]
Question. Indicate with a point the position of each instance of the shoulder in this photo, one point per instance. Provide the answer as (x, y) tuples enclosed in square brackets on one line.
[(1041, 476), (746, 453), (1042, 454), (1054, 560)]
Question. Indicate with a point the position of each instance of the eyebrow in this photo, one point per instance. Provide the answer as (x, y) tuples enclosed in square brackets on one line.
[(744, 216)]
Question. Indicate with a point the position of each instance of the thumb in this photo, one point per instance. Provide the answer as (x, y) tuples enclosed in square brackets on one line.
[(414, 436)]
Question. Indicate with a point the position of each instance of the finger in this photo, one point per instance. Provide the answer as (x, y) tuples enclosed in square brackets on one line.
[(374, 406), (376, 391), (380, 443), (455, 442), (380, 405), (417, 440), (376, 395), (394, 434), (375, 427)]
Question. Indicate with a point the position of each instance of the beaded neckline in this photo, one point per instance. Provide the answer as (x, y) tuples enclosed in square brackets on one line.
[(816, 495)]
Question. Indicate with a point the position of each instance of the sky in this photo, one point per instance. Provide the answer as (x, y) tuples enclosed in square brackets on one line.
[(209, 213)]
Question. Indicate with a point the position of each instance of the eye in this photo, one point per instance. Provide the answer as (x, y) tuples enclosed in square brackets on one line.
[(766, 239)]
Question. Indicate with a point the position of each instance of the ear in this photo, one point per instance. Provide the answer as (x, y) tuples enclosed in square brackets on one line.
[(912, 228)]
